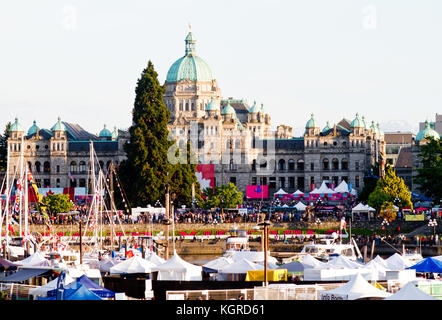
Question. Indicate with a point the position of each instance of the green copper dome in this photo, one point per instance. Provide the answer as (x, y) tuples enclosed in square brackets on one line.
[(228, 109), (190, 67), (311, 123), (59, 126), (33, 129), (427, 132), (212, 106), (105, 132), (16, 126), (357, 123)]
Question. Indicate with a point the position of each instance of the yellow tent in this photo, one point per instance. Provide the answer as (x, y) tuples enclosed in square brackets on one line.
[(272, 275)]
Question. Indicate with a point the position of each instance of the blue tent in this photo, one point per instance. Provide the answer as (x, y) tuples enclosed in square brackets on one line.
[(80, 293), (89, 284), (419, 196), (428, 265)]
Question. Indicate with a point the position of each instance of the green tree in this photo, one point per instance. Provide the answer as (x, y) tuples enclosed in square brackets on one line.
[(390, 188), (144, 172), (4, 147), (57, 203), (388, 212), (225, 196), (429, 176)]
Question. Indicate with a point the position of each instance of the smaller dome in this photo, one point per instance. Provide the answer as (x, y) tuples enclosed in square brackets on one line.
[(356, 123), (379, 128), (115, 134), (105, 132), (33, 129), (364, 124), (255, 108), (59, 126), (311, 123), (427, 132), (373, 127), (16, 127), (212, 106), (228, 109)]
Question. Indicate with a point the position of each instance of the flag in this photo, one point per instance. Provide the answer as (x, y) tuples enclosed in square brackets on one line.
[(29, 176), (70, 176), (11, 228), (343, 224), (257, 192), (129, 254)]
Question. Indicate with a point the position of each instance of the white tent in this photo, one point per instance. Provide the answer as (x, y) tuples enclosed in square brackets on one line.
[(361, 208), (378, 270), (177, 269), (218, 263), (323, 189), (35, 260), (356, 288), (380, 261), (135, 264), (310, 262), (397, 262), (342, 187), (155, 259), (410, 292), (51, 285), (241, 267), (298, 193), (253, 256), (300, 206), (280, 191), (105, 264), (342, 262), (270, 265), (370, 208), (354, 192)]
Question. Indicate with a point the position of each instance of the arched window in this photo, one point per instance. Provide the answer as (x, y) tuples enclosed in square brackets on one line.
[(73, 167), (300, 165), (281, 165), (82, 166), (335, 164), (47, 167), (291, 165), (325, 164), (238, 144), (37, 166), (344, 164)]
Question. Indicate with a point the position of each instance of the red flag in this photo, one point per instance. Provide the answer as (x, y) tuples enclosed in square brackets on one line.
[(343, 224), (129, 254), (11, 228)]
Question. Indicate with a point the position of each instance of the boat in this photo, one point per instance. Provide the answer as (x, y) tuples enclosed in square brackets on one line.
[(326, 251), (238, 241)]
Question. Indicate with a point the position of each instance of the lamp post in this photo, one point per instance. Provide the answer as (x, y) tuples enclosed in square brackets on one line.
[(433, 223), (265, 225)]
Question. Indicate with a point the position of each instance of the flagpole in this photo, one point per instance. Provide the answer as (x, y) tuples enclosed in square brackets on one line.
[(26, 200), (8, 195), (20, 215)]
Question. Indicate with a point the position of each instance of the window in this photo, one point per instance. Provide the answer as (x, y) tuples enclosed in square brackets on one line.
[(254, 180), (37, 167), (291, 165), (232, 165), (300, 165), (73, 183), (357, 181), (47, 167), (325, 164), (301, 183), (82, 166), (281, 165), (357, 165), (325, 144), (335, 164), (233, 180), (281, 182), (82, 183), (47, 183), (344, 164), (254, 165), (272, 182), (73, 167), (58, 183), (291, 182), (58, 169), (312, 166)]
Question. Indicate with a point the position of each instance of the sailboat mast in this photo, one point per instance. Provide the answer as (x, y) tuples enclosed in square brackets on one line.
[(20, 215), (8, 195)]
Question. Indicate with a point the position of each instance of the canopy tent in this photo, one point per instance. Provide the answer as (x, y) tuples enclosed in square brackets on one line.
[(270, 265), (237, 270), (323, 189), (51, 285), (105, 264), (342, 187), (342, 262), (35, 260), (361, 208), (429, 264), (88, 284), (253, 256), (280, 192), (6, 265), (24, 274), (357, 288), (300, 206), (155, 259), (397, 262), (80, 292), (177, 269), (380, 261), (132, 265), (410, 292), (218, 263), (310, 262), (298, 193), (293, 267), (378, 270)]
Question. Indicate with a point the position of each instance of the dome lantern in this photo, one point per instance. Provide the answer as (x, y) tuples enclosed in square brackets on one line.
[(427, 132)]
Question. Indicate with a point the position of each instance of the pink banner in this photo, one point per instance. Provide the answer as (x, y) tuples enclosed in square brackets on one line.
[(257, 192)]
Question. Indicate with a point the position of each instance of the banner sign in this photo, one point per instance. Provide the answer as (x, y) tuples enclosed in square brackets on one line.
[(414, 217), (205, 174), (332, 296), (257, 192)]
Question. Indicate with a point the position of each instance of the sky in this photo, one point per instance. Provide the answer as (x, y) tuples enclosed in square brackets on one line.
[(80, 60)]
